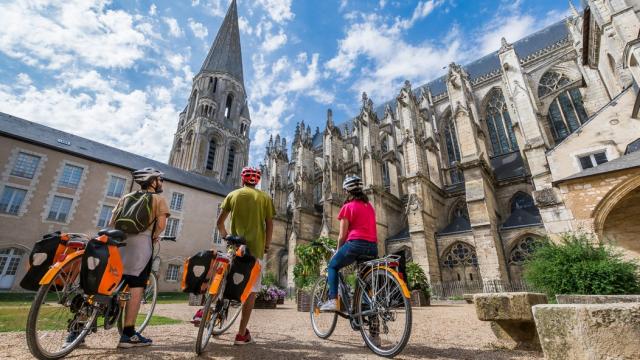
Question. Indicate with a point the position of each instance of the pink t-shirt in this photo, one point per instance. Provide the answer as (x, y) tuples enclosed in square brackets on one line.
[(362, 220)]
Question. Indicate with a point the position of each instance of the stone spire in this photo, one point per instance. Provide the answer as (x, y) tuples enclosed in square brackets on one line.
[(225, 54), (329, 119)]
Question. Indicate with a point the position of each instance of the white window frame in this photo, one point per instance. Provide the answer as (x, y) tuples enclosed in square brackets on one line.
[(116, 178), (592, 158), (66, 219), (18, 212), (174, 196), (172, 228), (15, 163), (66, 184), (106, 220), (173, 270)]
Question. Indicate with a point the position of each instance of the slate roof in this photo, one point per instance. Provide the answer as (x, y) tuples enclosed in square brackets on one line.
[(523, 217), (628, 161), (225, 54), (457, 225), (402, 235), (38, 134), (508, 166)]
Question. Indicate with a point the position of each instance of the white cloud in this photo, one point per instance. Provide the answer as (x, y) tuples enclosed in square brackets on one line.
[(273, 42), (343, 4), (199, 30), (174, 28), (382, 3), (422, 10), (54, 35), (243, 23), (278, 10), (215, 8), (153, 10), (82, 102)]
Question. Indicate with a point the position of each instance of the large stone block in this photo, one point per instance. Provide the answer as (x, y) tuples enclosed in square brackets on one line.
[(511, 317), (597, 299), (589, 331)]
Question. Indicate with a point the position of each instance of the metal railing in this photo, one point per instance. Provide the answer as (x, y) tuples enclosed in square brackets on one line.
[(456, 289)]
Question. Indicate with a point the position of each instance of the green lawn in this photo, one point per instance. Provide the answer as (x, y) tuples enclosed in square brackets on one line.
[(172, 298), (14, 318), (25, 299)]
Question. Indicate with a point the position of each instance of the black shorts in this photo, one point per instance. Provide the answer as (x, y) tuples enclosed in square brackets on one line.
[(139, 281)]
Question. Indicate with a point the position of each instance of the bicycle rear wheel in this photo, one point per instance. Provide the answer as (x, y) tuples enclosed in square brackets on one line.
[(59, 308), (385, 313), (209, 318), (226, 317), (147, 306), (323, 323)]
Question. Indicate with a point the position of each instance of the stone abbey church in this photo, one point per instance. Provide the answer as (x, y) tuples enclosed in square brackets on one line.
[(465, 172)]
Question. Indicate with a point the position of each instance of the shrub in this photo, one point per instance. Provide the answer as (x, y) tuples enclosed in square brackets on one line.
[(307, 268), (416, 278), (269, 279), (577, 265)]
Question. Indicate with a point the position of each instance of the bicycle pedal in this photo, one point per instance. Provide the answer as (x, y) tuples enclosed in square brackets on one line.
[(124, 297)]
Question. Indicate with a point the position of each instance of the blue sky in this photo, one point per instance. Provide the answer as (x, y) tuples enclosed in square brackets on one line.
[(119, 72)]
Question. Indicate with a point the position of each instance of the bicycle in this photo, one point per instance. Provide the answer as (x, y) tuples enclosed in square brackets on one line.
[(380, 298), (215, 314), (61, 306)]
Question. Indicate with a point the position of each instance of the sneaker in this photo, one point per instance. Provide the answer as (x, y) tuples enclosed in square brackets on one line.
[(133, 341), (197, 318), (330, 305), (243, 339), (73, 335)]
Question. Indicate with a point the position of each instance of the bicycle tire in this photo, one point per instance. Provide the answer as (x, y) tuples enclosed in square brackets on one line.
[(153, 285), (397, 349), (33, 340), (207, 316), (321, 285), (228, 321)]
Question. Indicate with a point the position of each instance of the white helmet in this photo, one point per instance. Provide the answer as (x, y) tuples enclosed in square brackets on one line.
[(146, 175), (352, 183)]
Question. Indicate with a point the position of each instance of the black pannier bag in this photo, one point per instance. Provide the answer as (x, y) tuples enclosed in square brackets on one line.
[(244, 272), (41, 258), (101, 269), (195, 272)]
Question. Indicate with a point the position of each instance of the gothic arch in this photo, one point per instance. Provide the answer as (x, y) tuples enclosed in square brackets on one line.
[(495, 113), (450, 143), (459, 262), (609, 201), (519, 250)]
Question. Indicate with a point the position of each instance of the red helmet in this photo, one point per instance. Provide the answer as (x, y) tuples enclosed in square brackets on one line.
[(250, 175)]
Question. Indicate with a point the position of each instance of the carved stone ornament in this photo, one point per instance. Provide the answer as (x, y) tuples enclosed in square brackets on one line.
[(545, 197), (505, 46), (414, 203)]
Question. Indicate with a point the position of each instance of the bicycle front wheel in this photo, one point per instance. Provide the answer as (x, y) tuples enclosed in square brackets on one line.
[(384, 313), (209, 318), (60, 317), (323, 323), (147, 305), (227, 317)]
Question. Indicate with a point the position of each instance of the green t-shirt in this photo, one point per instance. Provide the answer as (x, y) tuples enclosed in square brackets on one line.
[(249, 209)]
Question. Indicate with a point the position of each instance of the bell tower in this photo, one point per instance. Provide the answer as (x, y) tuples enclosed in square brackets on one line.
[(212, 138)]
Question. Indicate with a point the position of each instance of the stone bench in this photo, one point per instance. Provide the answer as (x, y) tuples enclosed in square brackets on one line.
[(597, 299), (511, 318), (589, 331), (468, 298)]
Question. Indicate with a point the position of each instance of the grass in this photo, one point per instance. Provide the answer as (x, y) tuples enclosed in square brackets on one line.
[(25, 299), (14, 318)]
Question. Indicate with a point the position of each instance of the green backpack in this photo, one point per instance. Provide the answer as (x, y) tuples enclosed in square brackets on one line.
[(135, 214)]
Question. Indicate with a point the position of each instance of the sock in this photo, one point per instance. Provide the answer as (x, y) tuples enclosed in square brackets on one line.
[(129, 330)]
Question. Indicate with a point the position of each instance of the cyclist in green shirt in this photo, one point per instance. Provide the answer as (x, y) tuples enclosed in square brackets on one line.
[(251, 212)]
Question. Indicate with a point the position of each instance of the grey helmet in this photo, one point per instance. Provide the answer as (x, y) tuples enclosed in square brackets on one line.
[(352, 183), (146, 175)]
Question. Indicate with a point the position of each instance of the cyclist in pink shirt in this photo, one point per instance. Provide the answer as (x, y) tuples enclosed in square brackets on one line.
[(358, 236)]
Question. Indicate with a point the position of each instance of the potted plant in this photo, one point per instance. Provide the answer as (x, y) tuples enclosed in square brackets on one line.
[(418, 284), (269, 279), (282, 293), (267, 297), (307, 270)]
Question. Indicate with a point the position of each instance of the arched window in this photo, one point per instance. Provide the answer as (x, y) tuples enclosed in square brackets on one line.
[(384, 146), (227, 110), (521, 201), (211, 155), (459, 219), (386, 180), (453, 150), (213, 84), (232, 157), (503, 138), (192, 103), (566, 112), (523, 212), (460, 254), (243, 129), (522, 251), (317, 192)]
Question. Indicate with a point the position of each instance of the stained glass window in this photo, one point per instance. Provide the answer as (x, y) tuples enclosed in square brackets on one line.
[(460, 254), (503, 138), (453, 150), (522, 251), (566, 112)]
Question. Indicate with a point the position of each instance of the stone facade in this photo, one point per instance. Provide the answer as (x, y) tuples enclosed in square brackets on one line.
[(463, 171)]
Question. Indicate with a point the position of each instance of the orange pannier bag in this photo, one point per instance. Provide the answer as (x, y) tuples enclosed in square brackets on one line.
[(45, 253), (101, 267)]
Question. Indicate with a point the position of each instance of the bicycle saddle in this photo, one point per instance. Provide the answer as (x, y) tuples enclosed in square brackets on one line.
[(113, 234), (235, 240), (364, 258)]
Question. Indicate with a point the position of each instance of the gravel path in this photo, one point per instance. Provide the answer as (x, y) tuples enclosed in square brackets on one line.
[(442, 331)]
